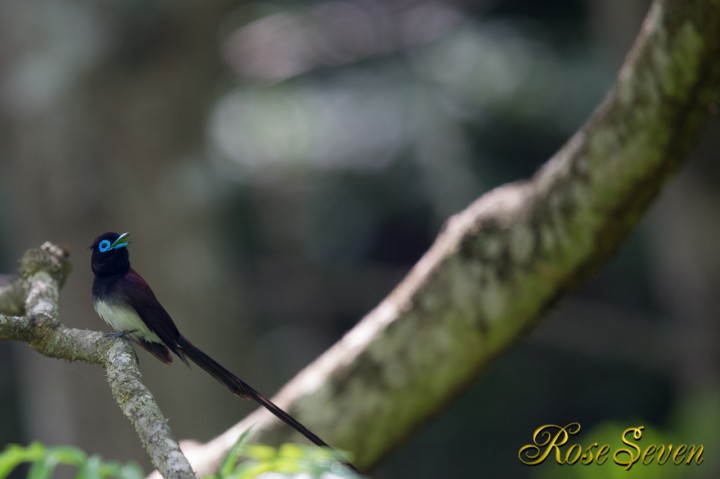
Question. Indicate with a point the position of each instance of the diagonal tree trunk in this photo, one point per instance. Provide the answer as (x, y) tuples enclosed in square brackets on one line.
[(498, 265)]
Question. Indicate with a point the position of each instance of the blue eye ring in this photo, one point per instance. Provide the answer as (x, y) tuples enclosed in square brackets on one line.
[(104, 246)]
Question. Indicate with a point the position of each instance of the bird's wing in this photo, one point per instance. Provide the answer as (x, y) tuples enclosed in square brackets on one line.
[(143, 300)]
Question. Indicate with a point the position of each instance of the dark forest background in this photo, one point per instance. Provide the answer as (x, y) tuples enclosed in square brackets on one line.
[(280, 167)]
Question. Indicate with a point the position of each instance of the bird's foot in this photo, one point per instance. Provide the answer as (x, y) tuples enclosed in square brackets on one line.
[(120, 334)]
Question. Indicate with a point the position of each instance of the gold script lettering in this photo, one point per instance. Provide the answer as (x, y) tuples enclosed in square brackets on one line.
[(631, 458), (544, 442), (602, 454), (692, 449)]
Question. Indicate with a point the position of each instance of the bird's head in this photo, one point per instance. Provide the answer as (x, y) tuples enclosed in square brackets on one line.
[(110, 255)]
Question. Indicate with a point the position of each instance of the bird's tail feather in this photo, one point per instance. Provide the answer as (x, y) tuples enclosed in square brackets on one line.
[(244, 390)]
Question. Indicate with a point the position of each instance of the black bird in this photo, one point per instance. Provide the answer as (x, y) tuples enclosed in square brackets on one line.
[(124, 300)]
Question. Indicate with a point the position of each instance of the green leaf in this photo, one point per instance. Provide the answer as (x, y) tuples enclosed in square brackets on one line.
[(42, 468), (232, 456), (259, 452), (131, 470), (292, 451), (251, 469), (11, 457), (67, 455), (91, 469)]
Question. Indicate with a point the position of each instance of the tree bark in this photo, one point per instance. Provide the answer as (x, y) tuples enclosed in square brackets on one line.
[(499, 264)]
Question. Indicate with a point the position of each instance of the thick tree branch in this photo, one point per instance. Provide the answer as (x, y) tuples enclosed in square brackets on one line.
[(503, 261), (42, 273), (12, 296)]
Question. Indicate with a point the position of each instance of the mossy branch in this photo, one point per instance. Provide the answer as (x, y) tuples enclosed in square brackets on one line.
[(29, 312)]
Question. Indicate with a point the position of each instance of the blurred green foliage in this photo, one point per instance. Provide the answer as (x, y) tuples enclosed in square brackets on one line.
[(286, 461), (45, 460), (244, 461)]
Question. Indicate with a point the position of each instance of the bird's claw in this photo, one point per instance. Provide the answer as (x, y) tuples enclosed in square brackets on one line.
[(120, 334)]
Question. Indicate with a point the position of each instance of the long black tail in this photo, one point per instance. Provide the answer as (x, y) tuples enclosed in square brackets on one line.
[(244, 390)]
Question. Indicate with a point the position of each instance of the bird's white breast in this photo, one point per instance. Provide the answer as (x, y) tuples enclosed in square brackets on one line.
[(123, 318)]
